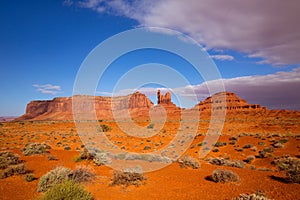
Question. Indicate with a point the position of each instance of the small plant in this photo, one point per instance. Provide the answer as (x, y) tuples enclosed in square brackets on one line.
[(104, 128), (291, 166), (247, 146), (255, 196), (131, 176), (8, 158), (188, 161), (82, 174), (53, 177), (150, 126), (35, 148), (261, 143), (51, 157), (220, 144), (14, 169), (249, 159), (223, 176), (101, 159), (225, 162), (67, 190), (29, 177)]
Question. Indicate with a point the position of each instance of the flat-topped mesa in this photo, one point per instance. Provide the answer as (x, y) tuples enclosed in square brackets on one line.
[(61, 107), (226, 101)]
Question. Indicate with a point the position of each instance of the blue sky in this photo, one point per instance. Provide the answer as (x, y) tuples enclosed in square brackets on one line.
[(43, 43)]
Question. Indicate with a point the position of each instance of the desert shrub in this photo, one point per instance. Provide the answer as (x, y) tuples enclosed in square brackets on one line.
[(254, 196), (131, 176), (188, 161), (216, 150), (233, 138), (53, 177), (261, 143), (249, 159), (277, 145), (223, 176), (29, 177), (150, 126), (291, 166), (35, 148), (225, 162), (220, 144), (82, 174), (8, 158), (104, 128), (13, 169), (67, 190), (283, 140), (51, 157), (247, 146), (101, 159)]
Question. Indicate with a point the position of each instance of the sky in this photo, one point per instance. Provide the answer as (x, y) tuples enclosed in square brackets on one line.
[(254, 44)]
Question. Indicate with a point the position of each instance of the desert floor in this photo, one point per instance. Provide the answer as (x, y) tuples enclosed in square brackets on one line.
[(170, 182)]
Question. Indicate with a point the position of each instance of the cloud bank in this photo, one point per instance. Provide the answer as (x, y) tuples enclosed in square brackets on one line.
[(262, 29), (48, 89), (275, 91)]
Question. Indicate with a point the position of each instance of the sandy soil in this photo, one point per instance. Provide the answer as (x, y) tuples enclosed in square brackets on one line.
[(171, 182)]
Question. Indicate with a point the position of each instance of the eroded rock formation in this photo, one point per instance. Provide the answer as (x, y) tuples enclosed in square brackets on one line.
[(226, 101), (163, 99)]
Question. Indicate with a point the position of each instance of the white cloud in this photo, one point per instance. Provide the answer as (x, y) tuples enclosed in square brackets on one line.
[(275, 91), (265, 29), (48, 89), (222, 57)]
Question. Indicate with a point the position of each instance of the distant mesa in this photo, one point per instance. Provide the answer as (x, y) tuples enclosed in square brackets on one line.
[(228, 101), (7, 118), (139, 106)]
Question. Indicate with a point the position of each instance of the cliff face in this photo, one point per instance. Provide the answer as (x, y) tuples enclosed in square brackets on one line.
[(61, 108)]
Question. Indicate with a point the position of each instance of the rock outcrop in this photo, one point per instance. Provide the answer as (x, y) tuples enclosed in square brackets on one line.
[(227, 101), (61, 108)]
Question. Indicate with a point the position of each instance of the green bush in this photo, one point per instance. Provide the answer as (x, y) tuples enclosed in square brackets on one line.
[(67, 190), (188, 161), (55, 176), (223, 176)]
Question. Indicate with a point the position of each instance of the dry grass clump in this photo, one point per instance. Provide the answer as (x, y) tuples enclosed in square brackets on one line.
[(8, 158), (67, 190), (53, 177), (254, 196), (11, 165), (82, 174), (225, 162), (60, 174), (13, 169), (223, 176), (291, 166), (126, 177), (35, 148), (188, 161)]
